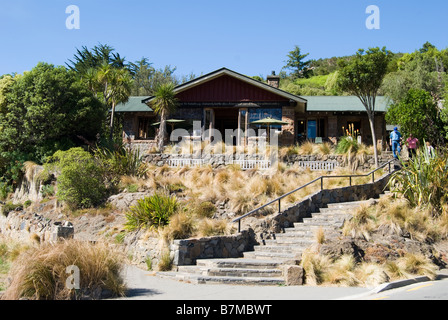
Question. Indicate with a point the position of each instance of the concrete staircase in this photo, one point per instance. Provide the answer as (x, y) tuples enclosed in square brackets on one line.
[(264, 265)]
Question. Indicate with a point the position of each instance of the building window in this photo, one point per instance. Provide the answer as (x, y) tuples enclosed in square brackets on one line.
[(145, 129), (315, 128), (356, 125)]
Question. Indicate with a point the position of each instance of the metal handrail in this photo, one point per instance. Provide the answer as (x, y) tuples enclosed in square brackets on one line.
[(321, 178)]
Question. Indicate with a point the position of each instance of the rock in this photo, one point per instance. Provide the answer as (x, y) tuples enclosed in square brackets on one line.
[(124, 201), (293, 275)]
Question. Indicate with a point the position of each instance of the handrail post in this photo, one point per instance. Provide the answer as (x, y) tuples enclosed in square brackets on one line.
[(350, 178), (373, 176), (279, 206), (321, 183), (239, 226)]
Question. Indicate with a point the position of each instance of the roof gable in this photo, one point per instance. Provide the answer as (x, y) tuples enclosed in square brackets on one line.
[(233, 86)]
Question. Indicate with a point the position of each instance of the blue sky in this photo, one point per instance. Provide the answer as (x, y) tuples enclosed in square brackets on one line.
[(199, 36)]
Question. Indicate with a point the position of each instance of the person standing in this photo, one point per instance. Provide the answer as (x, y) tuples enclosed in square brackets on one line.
[(412, 143), (395, 140), (430, 149)]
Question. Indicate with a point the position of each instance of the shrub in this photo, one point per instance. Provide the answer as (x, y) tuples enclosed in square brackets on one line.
[(40, 273), (80, 180), (210, 227), (181, 226), (423, 180), (122, 161), (47, 190), (347, 145), (151, 212)]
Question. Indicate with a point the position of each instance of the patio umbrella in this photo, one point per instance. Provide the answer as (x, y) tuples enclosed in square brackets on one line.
[(172, 122), (269, 122)]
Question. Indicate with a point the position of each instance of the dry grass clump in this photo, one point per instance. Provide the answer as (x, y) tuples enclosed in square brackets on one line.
[(346, 271), (398, 217), (40, 273), (419, 222)]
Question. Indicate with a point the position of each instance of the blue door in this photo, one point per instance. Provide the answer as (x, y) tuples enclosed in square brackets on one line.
[(312, 129)]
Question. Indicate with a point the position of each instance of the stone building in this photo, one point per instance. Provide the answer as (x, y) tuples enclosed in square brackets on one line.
[(226, 100)]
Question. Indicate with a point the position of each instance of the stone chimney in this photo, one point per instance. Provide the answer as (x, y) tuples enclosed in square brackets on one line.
[(273, 80)]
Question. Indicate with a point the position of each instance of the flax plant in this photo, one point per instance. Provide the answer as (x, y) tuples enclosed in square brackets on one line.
[(423, 180)]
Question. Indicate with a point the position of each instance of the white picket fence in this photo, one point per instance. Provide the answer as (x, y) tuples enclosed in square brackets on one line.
[(319, 165), (244, 164), (253, 164), (180, 162)]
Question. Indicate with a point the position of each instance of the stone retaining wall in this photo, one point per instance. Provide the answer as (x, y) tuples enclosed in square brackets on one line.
[(34, 227), (217, 160), (186, 252)]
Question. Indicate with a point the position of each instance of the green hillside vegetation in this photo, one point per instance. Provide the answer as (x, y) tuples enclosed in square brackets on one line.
[(319, 85)]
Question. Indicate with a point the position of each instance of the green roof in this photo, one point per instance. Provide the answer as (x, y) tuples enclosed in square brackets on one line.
[(342, 104), (134, 104), (315, 103)]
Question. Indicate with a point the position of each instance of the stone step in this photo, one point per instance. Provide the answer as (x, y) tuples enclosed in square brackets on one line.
[(288, 241), (284, 242), (235, 272), (323, 219), (327, 212), (279, 256), (344, 205), (301, 227), (288, 248), (265, 281), (234, 280), (238, 263), (319, 223)]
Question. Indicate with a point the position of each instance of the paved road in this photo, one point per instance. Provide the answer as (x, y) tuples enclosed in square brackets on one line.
[(426, 290), (145, 285)]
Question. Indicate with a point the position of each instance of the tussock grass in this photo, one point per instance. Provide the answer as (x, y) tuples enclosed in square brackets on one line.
[(40, 272), (389, 213), (398, 214), (345, 271), (199, 190)]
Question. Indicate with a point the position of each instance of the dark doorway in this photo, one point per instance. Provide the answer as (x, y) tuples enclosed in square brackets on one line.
[(226, 118)]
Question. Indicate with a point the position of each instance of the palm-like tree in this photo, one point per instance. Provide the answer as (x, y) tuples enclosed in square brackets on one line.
[(164, 104), (116, 86)]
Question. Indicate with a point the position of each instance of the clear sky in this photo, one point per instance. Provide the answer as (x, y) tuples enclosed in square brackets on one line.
[(200, 36)]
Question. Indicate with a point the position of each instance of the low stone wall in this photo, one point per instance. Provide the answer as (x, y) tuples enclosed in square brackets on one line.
[(34, 227), (217, 160), (186, 252)]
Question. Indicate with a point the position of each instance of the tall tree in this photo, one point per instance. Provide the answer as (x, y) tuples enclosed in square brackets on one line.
[(362, 77), (164, 104), (296, 63), (423, 69), (45, 110), (105, 73), (116, 86), (86, 59), (418, 114)]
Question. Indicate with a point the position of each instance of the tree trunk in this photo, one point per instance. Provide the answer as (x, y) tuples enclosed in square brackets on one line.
[(371, 116), (112, 121), (162, 131)]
